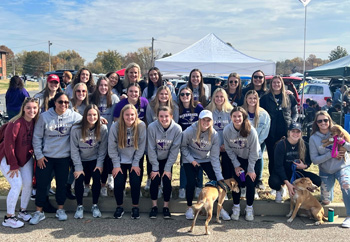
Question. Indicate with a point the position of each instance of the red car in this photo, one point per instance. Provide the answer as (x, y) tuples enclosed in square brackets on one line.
[(291, 82)]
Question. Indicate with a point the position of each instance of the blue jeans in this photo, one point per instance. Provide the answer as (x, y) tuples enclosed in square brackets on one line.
[(261, 163), (327, 186)]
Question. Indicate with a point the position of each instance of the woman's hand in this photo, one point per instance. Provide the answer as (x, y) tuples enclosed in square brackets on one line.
[(136, 169), (13, 173), (301, 165), (222, 148), (168, 174), (154, 174), (41, 163), (103, 120), (288, 92), (290, 189), (78, 173), (238, 170), (98, 168), (341, 154), (195, 163), (252, 175), (116, 170), (123, 97)]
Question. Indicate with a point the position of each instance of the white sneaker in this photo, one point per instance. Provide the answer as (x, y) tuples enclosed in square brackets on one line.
[(32, 197), (79, 214), (279, 196), (226, 198), (110, 182), (273, 192), (243, 192), (249, 213), (86, 191), (236, 211), (24, 215), (12, 222), (148, 184), (61, 214), (189, 214), (224, 215), (182, 193), (346, 223), (96, 213), (104, 192), (197, 192), (256, 195)]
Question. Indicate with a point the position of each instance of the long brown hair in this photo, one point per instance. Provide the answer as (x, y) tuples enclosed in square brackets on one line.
[(257, 107), (46, 95), (251, 84), (239, 87), (245, 127), (315, 127), (285, 97), (85, 124), (181, 106), (122, 128), (202, 98), (90, 84), (96, 95)]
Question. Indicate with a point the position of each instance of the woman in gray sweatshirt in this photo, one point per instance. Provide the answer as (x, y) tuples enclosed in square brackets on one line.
[(242, 146), (200, 146), (50, 142), (164, 139), (126, 146), (331, 167), (88, 143)]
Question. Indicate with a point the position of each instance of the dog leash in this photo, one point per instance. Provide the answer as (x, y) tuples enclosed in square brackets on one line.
[(295, 174), (337, 141)]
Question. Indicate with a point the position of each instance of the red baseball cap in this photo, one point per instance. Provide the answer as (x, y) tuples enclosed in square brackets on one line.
[(53, 77)]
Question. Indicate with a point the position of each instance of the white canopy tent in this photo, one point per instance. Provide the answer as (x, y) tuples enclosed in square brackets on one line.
[(213, 56)]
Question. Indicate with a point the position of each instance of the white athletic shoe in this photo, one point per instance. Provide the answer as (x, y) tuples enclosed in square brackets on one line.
[(189, 214), (224, 215), (249, 213), (236, 211)]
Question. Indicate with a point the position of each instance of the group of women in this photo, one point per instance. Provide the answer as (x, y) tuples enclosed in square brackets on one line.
[(111, 128)]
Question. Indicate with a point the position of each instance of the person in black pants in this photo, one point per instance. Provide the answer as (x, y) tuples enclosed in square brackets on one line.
[(291, 159)]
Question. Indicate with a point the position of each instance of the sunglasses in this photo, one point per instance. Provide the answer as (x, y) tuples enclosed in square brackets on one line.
[(235, 82), (63, 102), (183, 94), (322, 120), (81, 91), (258, 77)]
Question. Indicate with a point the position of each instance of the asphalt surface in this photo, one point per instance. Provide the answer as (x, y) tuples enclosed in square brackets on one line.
[(263, 228)]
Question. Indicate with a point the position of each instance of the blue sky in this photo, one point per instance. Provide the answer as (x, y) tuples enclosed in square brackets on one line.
[(265, 29)]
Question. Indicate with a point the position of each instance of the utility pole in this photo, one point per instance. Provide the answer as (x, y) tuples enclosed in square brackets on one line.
[(13, 66), (49, 56), (152, 62)]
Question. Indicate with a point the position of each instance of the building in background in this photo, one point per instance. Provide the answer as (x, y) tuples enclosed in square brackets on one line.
[(2, 64)]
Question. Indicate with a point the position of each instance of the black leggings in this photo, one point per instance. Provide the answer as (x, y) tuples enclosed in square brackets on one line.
[(275, 182), (226, 165), (119, 185), (248, 183), (88, 168), (191, 175), (155, 183)]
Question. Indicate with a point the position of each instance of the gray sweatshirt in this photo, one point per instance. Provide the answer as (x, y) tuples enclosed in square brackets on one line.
[(69, 91), (196, 91), (202, 151), (151, 116), (163, 144), (88, 149), (127, 155), (107, 113), (243, 147), (52, 133), (40, 96), (220, 120), (322, 156)]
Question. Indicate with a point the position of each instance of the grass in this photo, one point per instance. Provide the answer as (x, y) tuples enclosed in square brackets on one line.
[(264, 195), (30, 86)]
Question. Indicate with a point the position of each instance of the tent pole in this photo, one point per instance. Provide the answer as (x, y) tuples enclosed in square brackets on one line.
[(304, 80)]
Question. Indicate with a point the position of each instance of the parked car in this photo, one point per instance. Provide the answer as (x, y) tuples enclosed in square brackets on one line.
[(177, 83), (318, 92), (59, 73), (335, 83), (291, 82)]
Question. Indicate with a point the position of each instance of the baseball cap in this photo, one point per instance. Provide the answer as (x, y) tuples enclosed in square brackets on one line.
[(295, 126), (53, 77), (205, 114)]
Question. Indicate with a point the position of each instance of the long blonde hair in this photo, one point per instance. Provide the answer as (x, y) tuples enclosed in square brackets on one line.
[(122, 128), (257, 107), (199, 132), (315, 127), (21, 112), (226, 106), (285, 98), (74, 99), (126, 77), (155, 104), (301, 147)]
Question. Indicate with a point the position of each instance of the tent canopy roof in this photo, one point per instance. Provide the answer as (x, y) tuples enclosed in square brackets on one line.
[(337, 68), (213, 56)]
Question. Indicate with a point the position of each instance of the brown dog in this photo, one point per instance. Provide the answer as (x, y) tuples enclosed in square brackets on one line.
[(341, 133), (206, 199), (303, 199)]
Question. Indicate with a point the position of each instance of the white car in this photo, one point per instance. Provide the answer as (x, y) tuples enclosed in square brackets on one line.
[(318, 92)]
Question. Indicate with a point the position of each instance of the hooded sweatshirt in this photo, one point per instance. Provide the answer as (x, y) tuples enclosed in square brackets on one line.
[(107, 112), (127, 155), (202, 151), (52, 133), (163, 144), (243, 147), (322, 156), (220, 120), (151, 116), (88, 149), (263, 125)]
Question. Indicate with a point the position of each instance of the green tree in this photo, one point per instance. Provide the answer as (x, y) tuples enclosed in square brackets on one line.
[(111, 60), (70, 60), (36, 63), (166, 55), (337, 53)]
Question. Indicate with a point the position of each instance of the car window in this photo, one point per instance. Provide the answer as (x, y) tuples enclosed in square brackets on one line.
[(306, 89), (312, 90), (319, 90)]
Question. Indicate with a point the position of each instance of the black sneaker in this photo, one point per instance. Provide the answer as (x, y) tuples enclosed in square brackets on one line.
[(135, 213), (154, 212), (119, 212), (166, 212)]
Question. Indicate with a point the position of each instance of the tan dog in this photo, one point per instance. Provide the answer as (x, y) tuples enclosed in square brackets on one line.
[(303, 199), (206, 199), (341, 133)]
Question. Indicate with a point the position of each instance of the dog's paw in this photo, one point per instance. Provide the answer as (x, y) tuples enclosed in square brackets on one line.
[(290, 220), (190, 230), (207, 233), (317, 223)]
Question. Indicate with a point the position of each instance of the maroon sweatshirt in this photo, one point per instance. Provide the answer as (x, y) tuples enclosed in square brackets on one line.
[(17, 145)]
